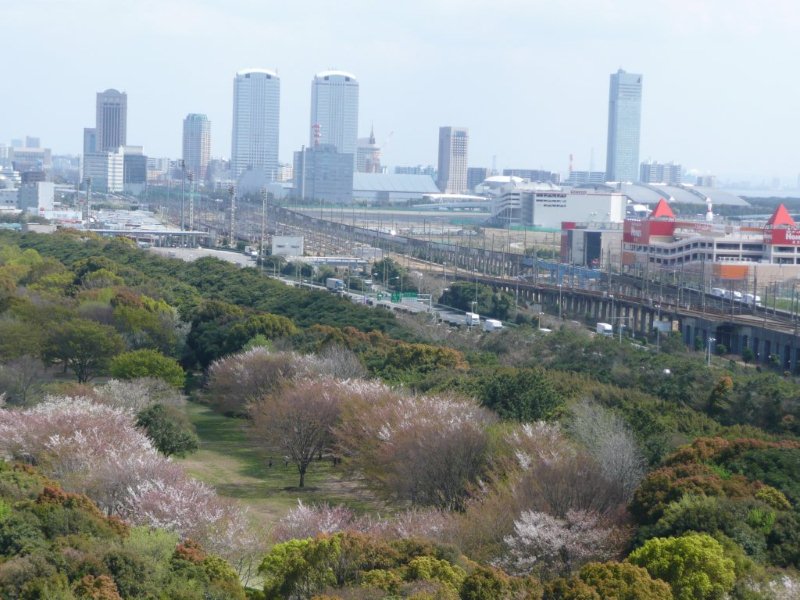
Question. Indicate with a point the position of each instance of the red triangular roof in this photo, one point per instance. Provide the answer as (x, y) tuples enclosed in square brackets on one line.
[(781, 217), (662, 211)]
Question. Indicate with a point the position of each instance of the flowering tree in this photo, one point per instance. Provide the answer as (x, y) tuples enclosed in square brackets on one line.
[(238, 380), (424, 449), (549, 546), (96, 450), (610, 442), (305, 521), (137, 394)]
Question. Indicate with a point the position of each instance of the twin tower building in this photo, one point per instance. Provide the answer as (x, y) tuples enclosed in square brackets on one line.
[(256, 118)]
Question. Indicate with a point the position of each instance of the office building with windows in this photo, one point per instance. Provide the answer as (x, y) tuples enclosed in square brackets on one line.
[(624, 125), (653, 172), (256, 118), (453, 147), (196, 144), (111, 125), (334, 111), (322, 173)]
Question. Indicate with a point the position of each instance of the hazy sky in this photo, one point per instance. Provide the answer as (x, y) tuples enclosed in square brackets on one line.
[(528, 77)]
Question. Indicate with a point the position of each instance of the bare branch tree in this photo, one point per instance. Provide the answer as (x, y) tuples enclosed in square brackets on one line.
[(21, 377), (609, 441), (297, 421)]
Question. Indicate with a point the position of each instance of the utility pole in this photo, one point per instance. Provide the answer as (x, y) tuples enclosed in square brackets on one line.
[(262, 250), (183, 191), (85, 212), (190, 175), (711, 340), (232, 238)]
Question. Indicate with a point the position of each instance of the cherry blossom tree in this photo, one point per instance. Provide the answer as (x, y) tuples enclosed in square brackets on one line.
[(549, 546), (427, 450), (96, 450), (306, 521)]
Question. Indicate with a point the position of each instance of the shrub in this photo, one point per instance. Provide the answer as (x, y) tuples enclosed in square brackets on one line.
[(694, 565)]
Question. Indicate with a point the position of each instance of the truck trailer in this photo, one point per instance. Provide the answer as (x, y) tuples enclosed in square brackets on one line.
[(471, 319), (604, 329), (334, 285), (492, 325)]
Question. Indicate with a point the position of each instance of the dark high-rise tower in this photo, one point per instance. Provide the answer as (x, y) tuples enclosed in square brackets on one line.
[(624, 124), (112, 120)]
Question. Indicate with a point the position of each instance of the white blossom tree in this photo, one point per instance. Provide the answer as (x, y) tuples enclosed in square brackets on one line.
[(549, 546), (609, 441)]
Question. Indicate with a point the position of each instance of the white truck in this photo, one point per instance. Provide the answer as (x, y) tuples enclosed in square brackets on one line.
[(492, 325), (604, 329), (471, 319), (334, 285)]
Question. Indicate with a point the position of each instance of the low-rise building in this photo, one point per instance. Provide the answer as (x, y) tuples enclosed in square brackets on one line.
[(545, 205), (322, 173), (747, 255)]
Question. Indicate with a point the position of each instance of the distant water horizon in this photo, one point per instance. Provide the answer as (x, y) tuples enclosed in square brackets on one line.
[(762, 193)]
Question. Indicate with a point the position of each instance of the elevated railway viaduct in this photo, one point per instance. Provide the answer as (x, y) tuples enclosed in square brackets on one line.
[(584, 294)]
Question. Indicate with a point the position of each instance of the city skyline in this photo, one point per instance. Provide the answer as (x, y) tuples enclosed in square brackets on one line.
[(546, 97)]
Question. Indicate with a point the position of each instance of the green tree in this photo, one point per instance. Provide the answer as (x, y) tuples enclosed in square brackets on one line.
[(389, 271), (147, 363), (694, 565), (84, 347), (462, 294), (290, 570), (519, 394), (166, 431), (624, 581), (748, 355)]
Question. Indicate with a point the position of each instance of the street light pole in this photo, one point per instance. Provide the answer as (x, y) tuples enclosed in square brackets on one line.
[(711, 340), (559, 301), (658, 329)]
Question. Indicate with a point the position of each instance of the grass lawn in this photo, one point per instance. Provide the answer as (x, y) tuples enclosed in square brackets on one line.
[(230, 461)]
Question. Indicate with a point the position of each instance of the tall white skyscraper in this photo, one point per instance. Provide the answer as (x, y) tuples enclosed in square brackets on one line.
[(624, 124), (112, 120), (334, 111), (453, 145), (196, 144), (256, 118)]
